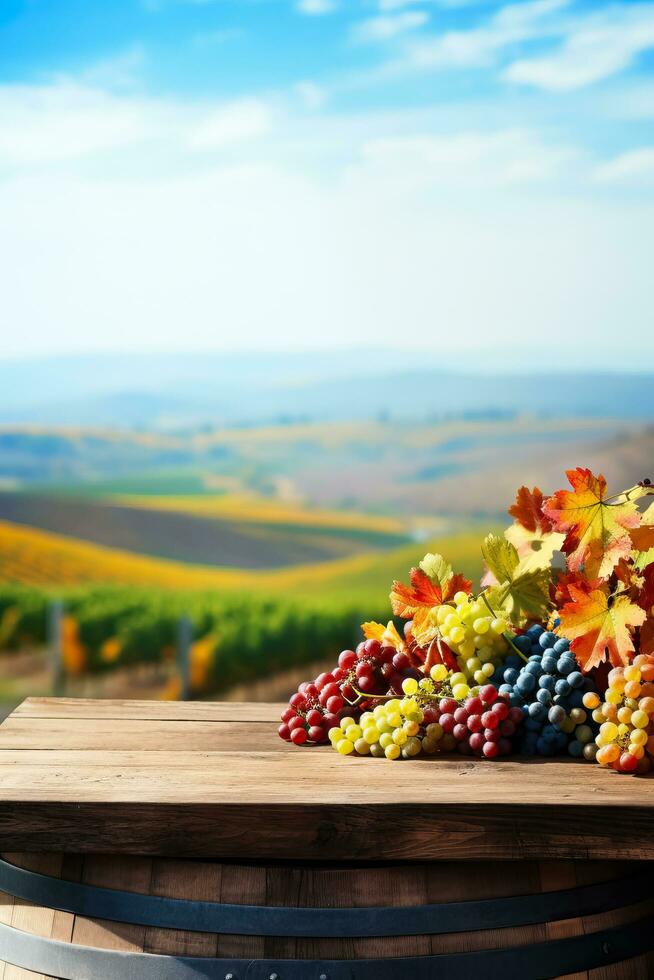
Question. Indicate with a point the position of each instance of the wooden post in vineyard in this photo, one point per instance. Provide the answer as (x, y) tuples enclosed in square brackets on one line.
[(184, 641), (54, 632)]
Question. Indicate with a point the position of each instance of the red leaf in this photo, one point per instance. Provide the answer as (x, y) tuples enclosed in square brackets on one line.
[(528, 510)]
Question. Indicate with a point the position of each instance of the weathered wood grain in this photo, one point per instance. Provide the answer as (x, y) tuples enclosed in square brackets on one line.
[(150, 736), (219, 787), (149, 710)]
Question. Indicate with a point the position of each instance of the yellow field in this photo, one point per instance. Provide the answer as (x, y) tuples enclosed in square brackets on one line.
[(31, 556)]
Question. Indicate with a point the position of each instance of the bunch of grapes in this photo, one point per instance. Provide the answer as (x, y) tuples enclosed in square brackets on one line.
[(549, 689), (474, 635), (626, 718), (370, 670), (482, 724), (391, 730), (374, 669)]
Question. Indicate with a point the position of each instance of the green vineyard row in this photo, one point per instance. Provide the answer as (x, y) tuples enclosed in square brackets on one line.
[(236, 637)]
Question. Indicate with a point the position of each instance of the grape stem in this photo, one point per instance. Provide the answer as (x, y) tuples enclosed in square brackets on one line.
[(390, 697), (506, 635)]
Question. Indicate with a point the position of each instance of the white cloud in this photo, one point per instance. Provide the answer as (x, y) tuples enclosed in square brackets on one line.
[(596, 47), (632, 166), (312, 96), (481, 46), (316, 7), (385, 28), (67, 120), (229, 124), (478, 159)]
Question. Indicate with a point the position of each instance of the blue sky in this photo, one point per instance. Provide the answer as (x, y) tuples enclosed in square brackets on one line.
[(435, 174)]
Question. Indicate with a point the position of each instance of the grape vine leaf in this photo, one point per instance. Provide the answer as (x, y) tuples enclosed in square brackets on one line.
[(581, 583), (521, 593), (387, 635), (597, 533), (531, 533), (643, 537), (432, 584), (646, 601), (598, 624)]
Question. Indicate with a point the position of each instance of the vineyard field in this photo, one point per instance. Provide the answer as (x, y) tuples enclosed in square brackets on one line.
[(235, 637), (29, 556), (241, 533)]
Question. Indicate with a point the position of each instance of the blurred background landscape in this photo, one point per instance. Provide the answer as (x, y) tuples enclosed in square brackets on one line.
[(293, 292)]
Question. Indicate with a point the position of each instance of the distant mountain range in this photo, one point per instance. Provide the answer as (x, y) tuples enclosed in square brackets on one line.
[(177, 391)]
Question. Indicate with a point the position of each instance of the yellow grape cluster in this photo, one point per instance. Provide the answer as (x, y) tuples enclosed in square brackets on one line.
[(474, 636), (626, 718), (392, 730)]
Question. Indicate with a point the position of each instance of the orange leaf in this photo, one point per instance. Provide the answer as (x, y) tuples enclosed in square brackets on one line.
[(563, 583), (426, 591), (643, 537), (528, 510), (597, 624), (407, 599), (597, 533)]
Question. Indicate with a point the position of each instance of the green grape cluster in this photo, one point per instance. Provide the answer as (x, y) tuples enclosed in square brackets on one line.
[(392, 730), (474, 635)]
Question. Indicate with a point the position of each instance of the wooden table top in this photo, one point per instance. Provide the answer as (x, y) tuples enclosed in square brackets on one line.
[(215, 780)]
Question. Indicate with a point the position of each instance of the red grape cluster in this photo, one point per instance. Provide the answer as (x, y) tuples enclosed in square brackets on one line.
[(482, 725), (371, 669)]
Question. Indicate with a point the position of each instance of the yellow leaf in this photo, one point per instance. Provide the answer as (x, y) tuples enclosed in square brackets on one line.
[(598, 624)]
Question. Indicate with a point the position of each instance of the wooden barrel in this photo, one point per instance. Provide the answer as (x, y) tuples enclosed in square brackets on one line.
[(82, 917)]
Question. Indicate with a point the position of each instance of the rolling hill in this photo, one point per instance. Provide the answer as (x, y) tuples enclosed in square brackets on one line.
[(34, 557)]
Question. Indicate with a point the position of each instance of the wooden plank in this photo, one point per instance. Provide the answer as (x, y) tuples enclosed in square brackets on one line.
[(75, 759), (153, 736), (303, 831), (149, 710), (312, 776)]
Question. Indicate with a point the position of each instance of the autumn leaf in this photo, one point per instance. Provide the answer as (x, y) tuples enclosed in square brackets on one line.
[(432, 584), (532, 534), (642, 537), (631, 578), (647, 637), (521, 594), (387, 635), (646, 599), (581, 583), (597, 532), (528, 510), (598, 624)]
